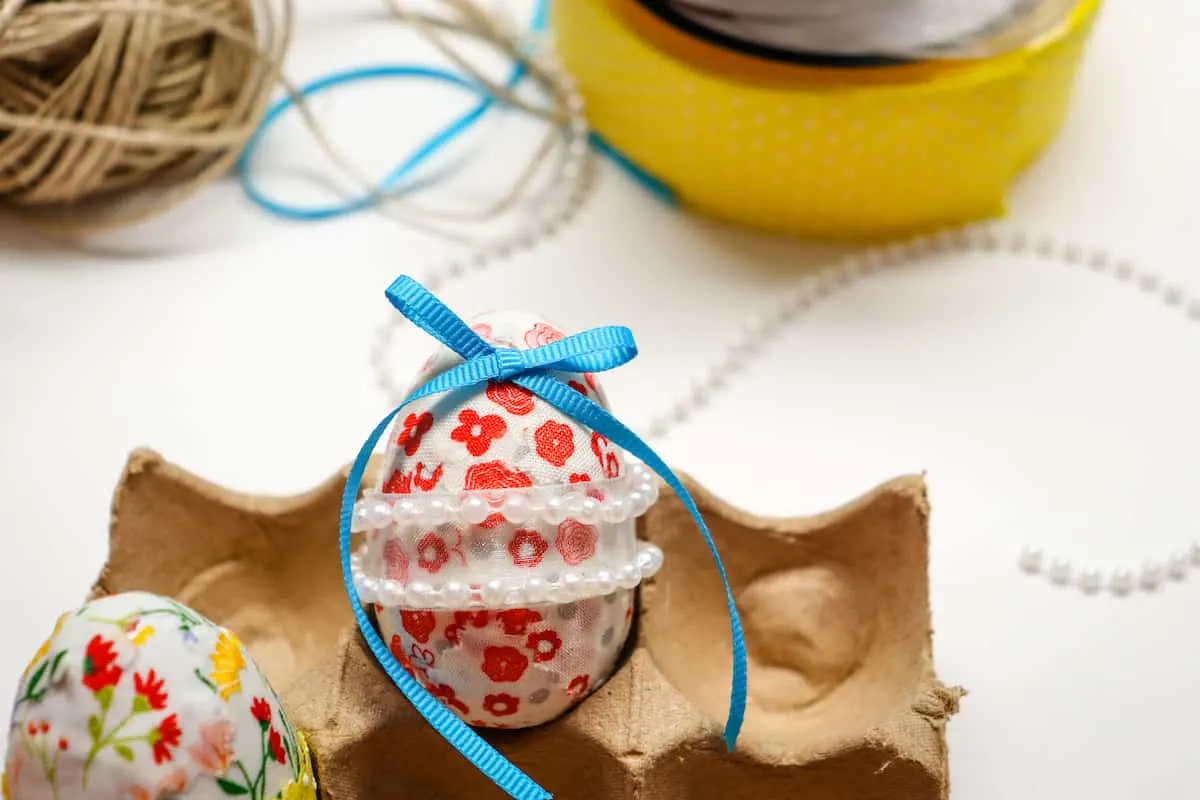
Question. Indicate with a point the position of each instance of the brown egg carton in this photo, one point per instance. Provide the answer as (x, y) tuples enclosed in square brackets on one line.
[(843, 700)]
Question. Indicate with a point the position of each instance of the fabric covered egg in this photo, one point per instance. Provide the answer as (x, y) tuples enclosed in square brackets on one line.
[(501, 552), (136, 697)]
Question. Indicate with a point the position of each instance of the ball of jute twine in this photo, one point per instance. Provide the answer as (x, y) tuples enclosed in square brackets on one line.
[(113, 110)]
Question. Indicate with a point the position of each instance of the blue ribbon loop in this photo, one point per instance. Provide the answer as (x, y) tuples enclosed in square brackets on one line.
[(596, 350)]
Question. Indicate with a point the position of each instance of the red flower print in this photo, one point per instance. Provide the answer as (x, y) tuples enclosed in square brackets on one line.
[(575, 542), (150, 691), (512, 398), (527, 548), (504, 664), (163, 738), (427, 484), (555, 442), (261, 710), (516, 620), (395, 560), (606, 456), (422, 658), (415, 428), (276, 743), (446, 695), (431, 552), (580, 477), (544, 644), (501, 705), (397, 648), (578, 686), (398, 483), (99, 671), (44, 727), (591, 381), (478, 432), (418, 624), (483, 329), (478, 619), (494, 475), (63, 744), (541, 334), (579, 387)]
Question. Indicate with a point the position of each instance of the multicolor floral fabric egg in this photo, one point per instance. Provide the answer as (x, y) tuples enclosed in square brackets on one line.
[(501, 551), (136, 697)]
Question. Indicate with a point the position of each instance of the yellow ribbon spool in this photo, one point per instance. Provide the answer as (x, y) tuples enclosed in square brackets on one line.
[(847, 153)]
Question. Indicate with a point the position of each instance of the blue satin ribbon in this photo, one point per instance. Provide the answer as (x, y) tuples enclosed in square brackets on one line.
[(596, 350), (391, 185)]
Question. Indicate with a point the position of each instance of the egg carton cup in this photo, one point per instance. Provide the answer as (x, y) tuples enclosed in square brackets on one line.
[(843, 698)]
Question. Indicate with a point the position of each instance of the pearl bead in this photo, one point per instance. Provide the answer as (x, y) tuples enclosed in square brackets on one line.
[(475, 510), (369, 586), (419, 594), (613, 510), (405, 513), (516, 509), (493, 593), (1122, 582), (628, 576), (1089, 580), (1031, 560), (515, 596), (1060, 572), (435, 513), (456, 594), (573, 583), (1152, 575), (535, 590), (556, 592), (603, 582), (639, 504), (379, 515), (556, 511), (649, 560), (391, 593), (1177, 566), (361, 521), (589, 511)]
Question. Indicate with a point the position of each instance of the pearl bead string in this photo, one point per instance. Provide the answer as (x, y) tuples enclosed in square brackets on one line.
[(570, 586), (1059, 570), (624, 498)]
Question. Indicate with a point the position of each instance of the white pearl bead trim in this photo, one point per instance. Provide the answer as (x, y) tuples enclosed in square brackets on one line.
[(1149, 576), (510, 592), (623, 499)]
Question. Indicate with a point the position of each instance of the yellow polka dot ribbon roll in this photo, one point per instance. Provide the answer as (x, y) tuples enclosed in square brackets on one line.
[(847, 153)]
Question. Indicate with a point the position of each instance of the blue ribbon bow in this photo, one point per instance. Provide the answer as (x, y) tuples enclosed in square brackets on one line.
[(596, 350)]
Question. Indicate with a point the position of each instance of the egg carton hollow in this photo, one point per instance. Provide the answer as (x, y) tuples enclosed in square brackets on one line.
[(843, 698)]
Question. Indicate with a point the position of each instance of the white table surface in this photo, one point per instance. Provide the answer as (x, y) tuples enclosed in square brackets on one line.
[(1047, 405)]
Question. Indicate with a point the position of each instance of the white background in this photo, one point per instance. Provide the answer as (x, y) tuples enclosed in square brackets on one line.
[(1046, 404)]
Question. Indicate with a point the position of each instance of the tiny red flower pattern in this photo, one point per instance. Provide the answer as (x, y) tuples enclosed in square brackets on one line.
[(418, 624), (591, 381), (576, 542), (397, 648), (427, 483), (99, 668), (415, 428), (512, 398), (395, 560), (607, 457), (276, 744), (166, 736), (527, 548), (541, 334), (398, 483), (555, 442), (483, 329), (544, 644), (579, 387), (477, 432), (504, 664), (448, 696), (432, 554), (261, 710), (422, 658), (477, 619), (150, 688), (578, 686), (501, 705), (515, 621), (580, 477)]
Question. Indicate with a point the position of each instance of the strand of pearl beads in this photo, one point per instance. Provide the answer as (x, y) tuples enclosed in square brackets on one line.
[(1151, 575)]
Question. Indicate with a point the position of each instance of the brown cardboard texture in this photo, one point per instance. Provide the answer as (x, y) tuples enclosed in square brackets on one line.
[(843, 700)]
